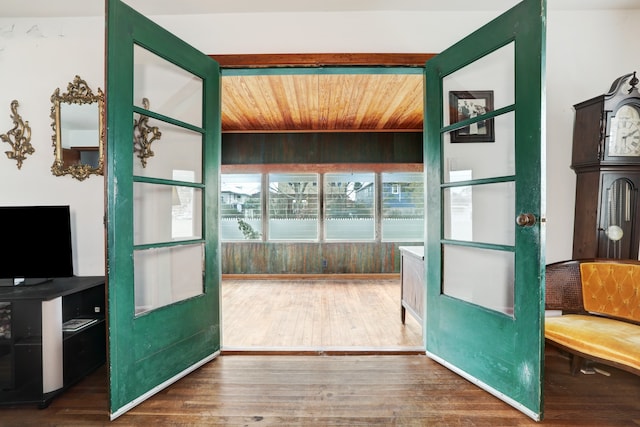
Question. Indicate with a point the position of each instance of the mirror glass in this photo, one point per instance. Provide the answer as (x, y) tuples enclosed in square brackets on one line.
[(78, 131)]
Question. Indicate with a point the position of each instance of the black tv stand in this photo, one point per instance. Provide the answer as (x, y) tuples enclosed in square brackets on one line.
[(31, 281), (38, 358)]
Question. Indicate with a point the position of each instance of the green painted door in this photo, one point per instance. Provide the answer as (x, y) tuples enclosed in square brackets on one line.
[(484, 163), (162, 169)]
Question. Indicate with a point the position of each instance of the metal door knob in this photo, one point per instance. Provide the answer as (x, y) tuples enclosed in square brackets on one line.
[(526, 220)]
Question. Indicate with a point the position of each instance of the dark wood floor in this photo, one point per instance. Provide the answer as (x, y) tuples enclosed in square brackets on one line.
[(246, 389), (381, 390)]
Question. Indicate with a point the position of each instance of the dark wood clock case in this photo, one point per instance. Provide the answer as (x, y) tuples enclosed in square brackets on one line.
[(607, 221)]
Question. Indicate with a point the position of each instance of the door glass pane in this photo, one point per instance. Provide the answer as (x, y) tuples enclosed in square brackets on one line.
[(484, 159), (403, 206), (487, 278), (241, 207), (293, 206), (174, 148), (166, 213), (349, 201), (480, 213), (166, 275), (485, 85), (163, 87)]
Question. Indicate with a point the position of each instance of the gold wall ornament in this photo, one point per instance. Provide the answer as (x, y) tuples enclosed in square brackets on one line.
[(141, 133), (19, 137), (78, 131)]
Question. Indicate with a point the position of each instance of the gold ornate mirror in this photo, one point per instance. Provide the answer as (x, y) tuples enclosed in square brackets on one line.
[(78, 131)]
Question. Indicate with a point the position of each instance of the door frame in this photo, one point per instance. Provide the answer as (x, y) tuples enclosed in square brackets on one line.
[(312, 64)]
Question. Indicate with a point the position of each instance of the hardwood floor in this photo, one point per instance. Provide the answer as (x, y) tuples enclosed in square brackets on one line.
[(375, 390), (316, 314), (241, 388)]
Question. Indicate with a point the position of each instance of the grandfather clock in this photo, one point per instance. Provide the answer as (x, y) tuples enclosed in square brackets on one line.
[(606, 160)]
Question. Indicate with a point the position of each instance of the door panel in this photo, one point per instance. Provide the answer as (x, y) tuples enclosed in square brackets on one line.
[(488, 288), (484, 169), (494, 70), (480, 213), (163, 121), (174, 148), (469, 159), (171, 90)]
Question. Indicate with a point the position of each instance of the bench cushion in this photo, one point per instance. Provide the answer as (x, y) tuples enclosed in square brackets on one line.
[(611, 289), (601, 337)]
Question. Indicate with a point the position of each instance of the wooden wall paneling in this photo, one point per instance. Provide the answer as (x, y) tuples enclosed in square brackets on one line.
[(308, 257), (312, 148), (323, 167)]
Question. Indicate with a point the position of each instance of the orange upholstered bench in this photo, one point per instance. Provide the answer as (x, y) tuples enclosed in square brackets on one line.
[(600, 304)]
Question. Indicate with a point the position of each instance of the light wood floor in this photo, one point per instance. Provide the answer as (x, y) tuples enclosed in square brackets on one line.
[(316, 314), (377, 390)]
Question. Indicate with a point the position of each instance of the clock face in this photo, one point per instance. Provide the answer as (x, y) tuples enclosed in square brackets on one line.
[(625, 132)]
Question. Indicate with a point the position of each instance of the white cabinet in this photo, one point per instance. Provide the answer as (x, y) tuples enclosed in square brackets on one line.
[(413, 282)]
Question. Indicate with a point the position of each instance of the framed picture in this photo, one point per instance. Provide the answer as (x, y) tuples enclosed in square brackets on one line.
[(464, 105)]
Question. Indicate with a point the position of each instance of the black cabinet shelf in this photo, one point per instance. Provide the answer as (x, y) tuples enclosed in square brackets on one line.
[(29, 341), (40, 360), (99, 323)]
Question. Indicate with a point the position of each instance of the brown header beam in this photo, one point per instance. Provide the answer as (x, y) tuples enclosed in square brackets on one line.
[(323, 59)]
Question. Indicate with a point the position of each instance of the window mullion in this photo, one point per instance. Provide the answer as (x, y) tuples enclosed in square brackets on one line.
[(264, 179), (321, 208), (377, 212)]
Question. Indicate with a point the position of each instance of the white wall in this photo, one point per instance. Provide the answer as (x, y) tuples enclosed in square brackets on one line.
[(586, 51), (36, 57)]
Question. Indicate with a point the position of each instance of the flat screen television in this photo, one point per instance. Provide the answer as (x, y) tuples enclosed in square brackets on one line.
[(37, 244)]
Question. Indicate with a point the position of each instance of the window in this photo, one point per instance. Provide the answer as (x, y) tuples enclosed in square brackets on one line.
[(336, 206), (241, 207), (349, 202), (403, 206), (293, 206)]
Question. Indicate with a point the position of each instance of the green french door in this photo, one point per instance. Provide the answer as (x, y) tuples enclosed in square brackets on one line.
[(163, 145), (484, 163)]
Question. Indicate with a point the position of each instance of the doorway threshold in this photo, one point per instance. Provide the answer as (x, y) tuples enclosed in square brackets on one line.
[(322, 351)]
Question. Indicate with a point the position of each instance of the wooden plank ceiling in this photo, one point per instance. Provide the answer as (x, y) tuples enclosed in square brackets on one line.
[(322, 103)]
